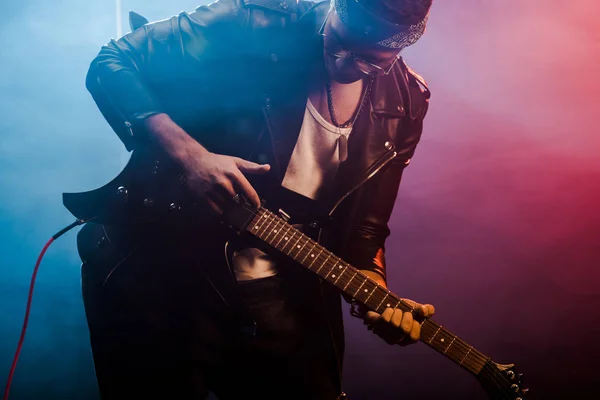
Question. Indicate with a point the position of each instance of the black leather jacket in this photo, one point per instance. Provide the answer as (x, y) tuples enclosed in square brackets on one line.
[(234, 75)]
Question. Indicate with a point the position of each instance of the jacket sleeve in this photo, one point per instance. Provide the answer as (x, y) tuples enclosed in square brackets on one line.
[(367, 233), (365, 244), (120, 78)]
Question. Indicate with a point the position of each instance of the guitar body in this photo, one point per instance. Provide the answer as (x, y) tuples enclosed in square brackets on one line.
[(150, 193), (147, 192)]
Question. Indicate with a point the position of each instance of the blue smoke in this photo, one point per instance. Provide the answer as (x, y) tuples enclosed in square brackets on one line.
[(52, 140)]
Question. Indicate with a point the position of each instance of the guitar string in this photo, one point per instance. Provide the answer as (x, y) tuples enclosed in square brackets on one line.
[(466, 355), (336, 260), (499, 381), (466, 349), (377, 287), (457, 343)]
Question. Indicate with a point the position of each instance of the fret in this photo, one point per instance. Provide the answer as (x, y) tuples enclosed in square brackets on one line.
[(365, 291), (456, 350), (323, 264), (296, 246), (398, 304), (273, 231), (266, 225), (340, 275), (308, 253), (381, 302), (453, 339), (257, 219), (435, 334), (300, 248), (288, 241), (315, 258), (468, 352), (370, 294), (442, 341), (358, 290), (268, 222), (477, 361), (263, 220), (283, 234), (350, 280)]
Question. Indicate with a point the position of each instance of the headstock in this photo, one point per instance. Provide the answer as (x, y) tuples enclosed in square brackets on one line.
[(502, 382)]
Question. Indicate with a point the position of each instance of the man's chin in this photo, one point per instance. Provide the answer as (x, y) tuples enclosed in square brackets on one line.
[(345, 79), (343, 76)]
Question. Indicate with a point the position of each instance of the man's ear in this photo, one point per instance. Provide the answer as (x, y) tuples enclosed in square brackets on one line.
[(136, 20)]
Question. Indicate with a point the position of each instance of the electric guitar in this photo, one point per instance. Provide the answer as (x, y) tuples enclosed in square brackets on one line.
[(145, 189), (499, 380)]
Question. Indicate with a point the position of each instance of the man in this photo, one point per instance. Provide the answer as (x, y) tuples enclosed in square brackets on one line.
[(307, 105)]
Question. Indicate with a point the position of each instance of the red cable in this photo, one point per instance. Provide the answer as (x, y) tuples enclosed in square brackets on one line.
[(20, 345)]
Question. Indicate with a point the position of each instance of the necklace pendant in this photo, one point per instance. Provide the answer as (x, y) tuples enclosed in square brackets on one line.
[(343, 148)]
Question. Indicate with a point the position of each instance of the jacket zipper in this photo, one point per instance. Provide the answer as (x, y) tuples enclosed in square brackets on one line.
[(375, 168)]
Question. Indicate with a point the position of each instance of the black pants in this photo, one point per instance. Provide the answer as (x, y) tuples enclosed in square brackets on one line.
[(159, 331)]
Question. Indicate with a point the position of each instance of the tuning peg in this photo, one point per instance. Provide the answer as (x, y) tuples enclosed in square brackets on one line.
[(510, 374), (520, 377), (525, 391)]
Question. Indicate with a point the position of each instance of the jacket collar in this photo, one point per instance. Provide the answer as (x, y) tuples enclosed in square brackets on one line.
[(389, 103)]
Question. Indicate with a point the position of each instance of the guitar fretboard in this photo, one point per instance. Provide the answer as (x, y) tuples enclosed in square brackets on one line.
[(290, 241)]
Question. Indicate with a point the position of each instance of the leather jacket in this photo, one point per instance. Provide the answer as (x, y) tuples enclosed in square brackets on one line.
[(235, 75)]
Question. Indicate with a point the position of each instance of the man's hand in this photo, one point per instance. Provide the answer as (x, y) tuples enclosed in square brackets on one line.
[(212, 177), (395, 326), (217, 178)]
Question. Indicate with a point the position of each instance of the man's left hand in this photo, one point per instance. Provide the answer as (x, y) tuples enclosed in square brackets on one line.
[(395, 326)]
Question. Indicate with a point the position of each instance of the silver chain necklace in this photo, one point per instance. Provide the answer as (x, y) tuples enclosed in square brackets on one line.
[(356, 113), (342, 139)]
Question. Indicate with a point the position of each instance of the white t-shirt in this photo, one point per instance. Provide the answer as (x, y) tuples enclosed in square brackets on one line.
[(312, 168)]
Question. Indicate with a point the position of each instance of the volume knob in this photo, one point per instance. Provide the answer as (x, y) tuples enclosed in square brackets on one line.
[(122, 193)]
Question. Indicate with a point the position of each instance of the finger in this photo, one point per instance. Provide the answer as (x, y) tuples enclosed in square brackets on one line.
[(248, 191), (371, 317), (407, 322), (387, 314), (397, 317), (248, 167), (420, 310), (430, 310), (224, 188), (415, 333), (411, 303), (213, 204), (423, 311), (384, 329)]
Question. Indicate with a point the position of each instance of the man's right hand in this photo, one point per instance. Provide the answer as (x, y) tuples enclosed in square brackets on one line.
[(212, 177), (217, 178)]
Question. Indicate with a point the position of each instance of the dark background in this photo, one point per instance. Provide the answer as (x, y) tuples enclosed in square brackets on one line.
[(496, 223)]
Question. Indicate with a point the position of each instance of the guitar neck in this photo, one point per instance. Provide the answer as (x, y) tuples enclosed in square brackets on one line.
[(290, 241)]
